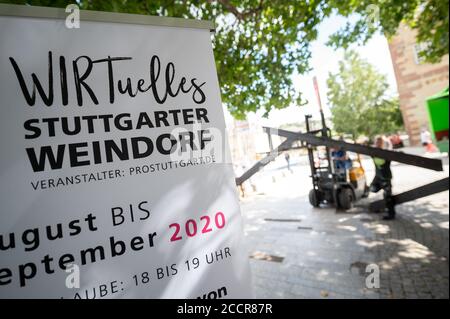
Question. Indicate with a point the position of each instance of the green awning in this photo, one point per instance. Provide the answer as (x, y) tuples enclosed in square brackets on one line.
[(439, 95)]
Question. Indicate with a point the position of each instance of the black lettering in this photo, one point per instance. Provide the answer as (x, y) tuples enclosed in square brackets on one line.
[(5, 276), (28, 125), (91, 252), (33, 242), (12, 242), (47, 98), (24, 274), (64, 260), (46, 152), (135, 146), (111, 146), (79, 80), (74, 227), (75, 154), (160, 146), (63, 79)]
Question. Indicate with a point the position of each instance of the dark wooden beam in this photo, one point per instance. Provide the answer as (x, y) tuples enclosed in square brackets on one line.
[(413, 194), (286, 145), (424, 162)]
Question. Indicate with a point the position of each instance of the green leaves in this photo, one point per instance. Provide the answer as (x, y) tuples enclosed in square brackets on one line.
[(435, 34), (260, 44), (428, 17), (357, 94)]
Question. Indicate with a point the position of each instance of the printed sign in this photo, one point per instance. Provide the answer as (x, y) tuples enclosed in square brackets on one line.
[(115, 177)]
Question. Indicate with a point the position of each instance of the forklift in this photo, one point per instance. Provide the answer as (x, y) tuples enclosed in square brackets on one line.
[(332, 186), (335, 181), (342, 186)]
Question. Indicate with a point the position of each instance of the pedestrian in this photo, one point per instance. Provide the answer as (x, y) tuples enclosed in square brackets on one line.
[(427, 142), (288, 157), (382, 180)]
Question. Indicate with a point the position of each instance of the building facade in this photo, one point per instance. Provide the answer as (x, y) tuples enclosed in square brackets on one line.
[(416, 80)]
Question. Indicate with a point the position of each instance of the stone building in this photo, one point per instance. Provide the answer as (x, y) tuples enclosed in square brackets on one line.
[(416, 80)]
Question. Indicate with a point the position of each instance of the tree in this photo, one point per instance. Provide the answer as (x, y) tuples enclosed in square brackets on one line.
[(260, 44), (359, 105), (428, 17)]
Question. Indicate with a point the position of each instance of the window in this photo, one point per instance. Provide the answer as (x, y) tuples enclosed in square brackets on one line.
[(417, 49)]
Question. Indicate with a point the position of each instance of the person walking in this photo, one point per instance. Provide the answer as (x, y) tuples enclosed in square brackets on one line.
[(288, 160), (382, 180), (427, 142)]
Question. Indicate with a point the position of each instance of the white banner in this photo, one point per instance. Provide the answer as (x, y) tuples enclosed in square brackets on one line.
[(115, 180)]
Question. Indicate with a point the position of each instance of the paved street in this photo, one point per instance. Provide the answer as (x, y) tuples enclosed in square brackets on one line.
[(301, 252)]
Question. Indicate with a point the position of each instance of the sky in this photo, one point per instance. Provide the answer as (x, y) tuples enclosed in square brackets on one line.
[(324, 60)]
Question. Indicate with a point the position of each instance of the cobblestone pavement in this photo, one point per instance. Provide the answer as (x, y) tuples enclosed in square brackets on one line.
[(301, 252)]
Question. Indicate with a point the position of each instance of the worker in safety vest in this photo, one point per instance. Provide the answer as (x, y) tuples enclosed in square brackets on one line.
[(382, 180)]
